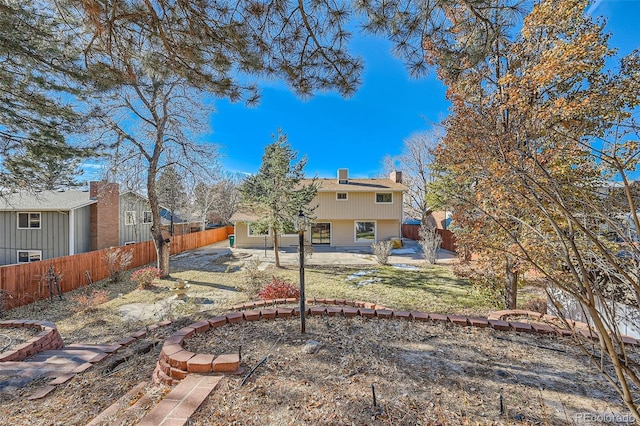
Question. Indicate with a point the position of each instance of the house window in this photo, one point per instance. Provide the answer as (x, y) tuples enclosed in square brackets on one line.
[(26, 256), (28, 220), (384, 197), (365, 231), (256, 233), (129, 218), (147, 217), (341, 196)]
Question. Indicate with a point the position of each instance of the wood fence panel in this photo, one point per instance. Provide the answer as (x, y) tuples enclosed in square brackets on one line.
[(24, 283), (448, 238), (410, 232)]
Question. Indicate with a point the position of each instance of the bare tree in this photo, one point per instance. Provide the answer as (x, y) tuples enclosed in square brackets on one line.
[(415, 162), (227, 198), (151, 120), (217, 202), (154, 60)]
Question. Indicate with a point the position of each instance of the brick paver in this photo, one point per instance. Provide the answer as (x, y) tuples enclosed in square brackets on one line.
[(113, 409), (182, 401)]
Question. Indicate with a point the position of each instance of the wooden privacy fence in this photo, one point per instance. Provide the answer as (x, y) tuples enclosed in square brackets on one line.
[(24, 283), (448, 239)]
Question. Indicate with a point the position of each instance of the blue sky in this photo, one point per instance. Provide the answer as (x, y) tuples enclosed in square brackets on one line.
[(358, 132), (354, 133)]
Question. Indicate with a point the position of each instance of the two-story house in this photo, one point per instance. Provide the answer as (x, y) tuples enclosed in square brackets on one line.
[(349, 213), (47, 224)]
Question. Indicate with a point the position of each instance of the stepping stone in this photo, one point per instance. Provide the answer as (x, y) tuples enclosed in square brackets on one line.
[(180, 404), (42, 392), (62, 379), (113, 409)]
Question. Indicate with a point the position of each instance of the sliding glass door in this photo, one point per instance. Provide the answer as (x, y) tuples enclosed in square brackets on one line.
[(321, 233)]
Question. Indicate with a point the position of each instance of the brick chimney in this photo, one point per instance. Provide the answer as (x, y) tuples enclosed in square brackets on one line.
[(105, 215), (343, 175), (396, 176)]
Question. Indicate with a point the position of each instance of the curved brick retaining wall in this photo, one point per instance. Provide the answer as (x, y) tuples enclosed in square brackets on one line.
[(48, 338), (175, 363)]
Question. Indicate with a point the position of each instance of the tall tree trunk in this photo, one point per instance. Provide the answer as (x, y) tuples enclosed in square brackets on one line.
[(163, 246), (511, 284), (275, 247), (163, 251)]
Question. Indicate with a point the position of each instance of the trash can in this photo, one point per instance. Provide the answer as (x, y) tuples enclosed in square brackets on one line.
[(232, 240)]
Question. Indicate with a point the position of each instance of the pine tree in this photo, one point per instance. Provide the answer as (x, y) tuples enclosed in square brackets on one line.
[(43, 167), (275, 193), (39, 80)]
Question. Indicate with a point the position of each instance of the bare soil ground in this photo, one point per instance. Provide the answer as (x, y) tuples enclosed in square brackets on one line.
[(12, 337), (422, 373)]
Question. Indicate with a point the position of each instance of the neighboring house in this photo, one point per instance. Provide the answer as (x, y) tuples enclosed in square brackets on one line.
[(349, 213), (43, 225), (48, 224), (439, 219), (182, 223), (135, 218)]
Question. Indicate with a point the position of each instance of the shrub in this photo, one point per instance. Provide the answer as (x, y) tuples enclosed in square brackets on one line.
[(5, 296), (430, 242), (278, 288), (485, 282), (253, 277), (145, 276), (382, 250), (536, 305), (118, 261), (85, 301)]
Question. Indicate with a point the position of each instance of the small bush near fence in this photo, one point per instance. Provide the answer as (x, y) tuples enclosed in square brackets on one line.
[(430, 241), (118, 261), (83, 302), (253, 277), (144, 277), (278, 288)]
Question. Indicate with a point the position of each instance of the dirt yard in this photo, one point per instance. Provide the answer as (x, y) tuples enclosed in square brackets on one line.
[(422, 373)]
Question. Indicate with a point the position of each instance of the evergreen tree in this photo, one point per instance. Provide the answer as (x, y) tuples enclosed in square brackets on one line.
[(39, 80), (42, 168), (275, 192)]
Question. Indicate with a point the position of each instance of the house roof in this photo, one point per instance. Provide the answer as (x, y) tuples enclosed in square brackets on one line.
[(45, 200), (245, 213), (356, 185)]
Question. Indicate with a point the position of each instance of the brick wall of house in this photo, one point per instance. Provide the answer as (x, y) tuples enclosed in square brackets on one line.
[(104, 215)]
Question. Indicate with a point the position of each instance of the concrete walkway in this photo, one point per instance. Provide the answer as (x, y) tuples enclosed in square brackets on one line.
[(409, 254)]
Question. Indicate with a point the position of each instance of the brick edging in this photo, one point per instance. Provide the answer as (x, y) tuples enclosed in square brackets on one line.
[(175, 362), (48, 338)]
